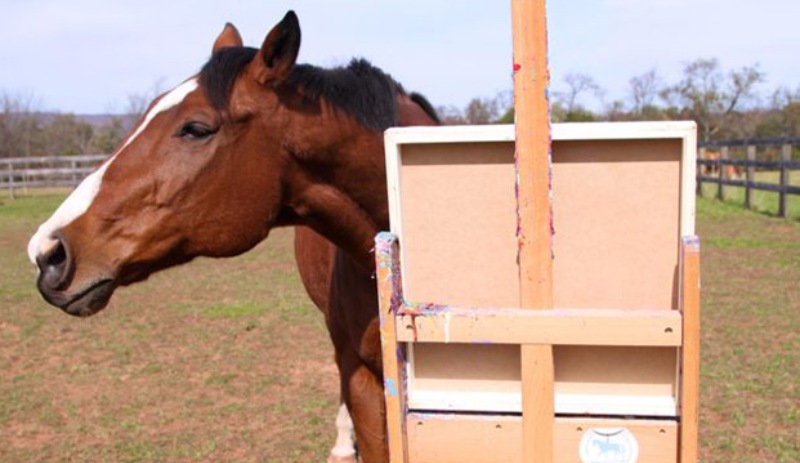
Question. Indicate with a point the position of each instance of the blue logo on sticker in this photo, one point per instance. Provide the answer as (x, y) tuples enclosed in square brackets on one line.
[(609, 445)]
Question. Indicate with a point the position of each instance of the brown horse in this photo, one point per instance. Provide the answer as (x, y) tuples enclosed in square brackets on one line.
[(253, 142), (729, 171)]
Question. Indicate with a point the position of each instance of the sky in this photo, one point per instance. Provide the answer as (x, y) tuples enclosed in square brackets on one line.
[(89, 56)]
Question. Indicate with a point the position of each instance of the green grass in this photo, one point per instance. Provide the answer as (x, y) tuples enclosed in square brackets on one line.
[(234, 311), (213, 361), (750, 374), (226, 360), (762, 201)]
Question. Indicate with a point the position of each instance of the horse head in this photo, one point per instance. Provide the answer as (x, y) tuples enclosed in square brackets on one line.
[(206, 172)]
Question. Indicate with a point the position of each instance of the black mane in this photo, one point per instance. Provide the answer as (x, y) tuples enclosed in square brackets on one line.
[(220, 72), (359, 89)]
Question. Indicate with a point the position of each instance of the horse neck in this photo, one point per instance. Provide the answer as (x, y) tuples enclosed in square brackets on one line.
[(340, 190), (343, 193)]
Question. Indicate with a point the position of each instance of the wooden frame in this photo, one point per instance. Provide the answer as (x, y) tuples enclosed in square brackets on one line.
[(405, 322)]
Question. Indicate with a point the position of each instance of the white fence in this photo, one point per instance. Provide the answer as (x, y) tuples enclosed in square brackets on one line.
[(20, 174)]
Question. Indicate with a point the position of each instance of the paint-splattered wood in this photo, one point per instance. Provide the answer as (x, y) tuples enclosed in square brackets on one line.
[(394, 369), (587, 327), (531, 81), (532, 118)]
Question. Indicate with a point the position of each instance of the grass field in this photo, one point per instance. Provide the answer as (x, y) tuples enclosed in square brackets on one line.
[(216, 361), (227, 361), (762, 201)]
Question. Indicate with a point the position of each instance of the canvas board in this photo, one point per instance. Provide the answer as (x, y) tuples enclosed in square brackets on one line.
[(623, 196)]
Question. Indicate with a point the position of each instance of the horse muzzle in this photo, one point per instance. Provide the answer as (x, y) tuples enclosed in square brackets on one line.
[(56, 271), (82, 303)]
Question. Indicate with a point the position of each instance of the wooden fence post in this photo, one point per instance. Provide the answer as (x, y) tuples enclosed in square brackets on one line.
[(723, 155), (786, 157), (11, 191), (24, 176), (701, 169), (75, 178), (749, 176)]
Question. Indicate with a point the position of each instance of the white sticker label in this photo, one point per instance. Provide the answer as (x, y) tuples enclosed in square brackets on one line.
[(609, 445)]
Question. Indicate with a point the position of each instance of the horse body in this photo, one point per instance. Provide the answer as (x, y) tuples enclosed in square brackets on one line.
[(729, 171), (252, 143), (341, 284)]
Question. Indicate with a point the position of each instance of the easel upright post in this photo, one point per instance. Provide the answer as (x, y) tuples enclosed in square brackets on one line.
[(690, 352), (531, 81), (394, 376)]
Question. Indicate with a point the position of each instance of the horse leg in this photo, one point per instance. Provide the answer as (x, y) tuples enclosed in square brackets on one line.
[(337, 293), (344, 450), (362, 391), (314, 256)]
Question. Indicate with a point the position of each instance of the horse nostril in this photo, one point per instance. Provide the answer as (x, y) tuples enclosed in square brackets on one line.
[(54, 265)]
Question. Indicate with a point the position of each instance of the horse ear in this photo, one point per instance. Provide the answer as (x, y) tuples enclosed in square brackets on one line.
[(229, 37), (279, 51)]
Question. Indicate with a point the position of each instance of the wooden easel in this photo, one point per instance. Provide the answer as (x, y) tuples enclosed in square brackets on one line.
[(536, 435)]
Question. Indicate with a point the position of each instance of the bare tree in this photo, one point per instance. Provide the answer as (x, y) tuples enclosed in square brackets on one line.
[(504, 102), (109, 136), (782, 117), (481, 111), (138, 102), (710, 97), (578, 84), (644, 91), (787, 103), (450, 115), (66, 135), (19, 125), (615, 111)]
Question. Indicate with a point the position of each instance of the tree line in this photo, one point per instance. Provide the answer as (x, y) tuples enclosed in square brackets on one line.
[(27, 131), (726, 104)]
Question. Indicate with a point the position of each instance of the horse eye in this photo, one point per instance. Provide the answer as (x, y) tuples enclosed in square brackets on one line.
[(195, 131)]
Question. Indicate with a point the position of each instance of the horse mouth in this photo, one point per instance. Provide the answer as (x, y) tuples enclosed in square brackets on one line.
[(84, 303)]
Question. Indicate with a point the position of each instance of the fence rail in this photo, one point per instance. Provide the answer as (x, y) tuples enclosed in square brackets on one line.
[(715, 166), (774, 141), (45, 172)]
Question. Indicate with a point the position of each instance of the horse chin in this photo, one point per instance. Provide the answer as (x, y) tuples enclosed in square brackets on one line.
[(86, 302)]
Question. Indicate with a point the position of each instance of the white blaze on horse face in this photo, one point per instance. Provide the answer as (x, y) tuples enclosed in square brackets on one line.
[(79, 200)]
